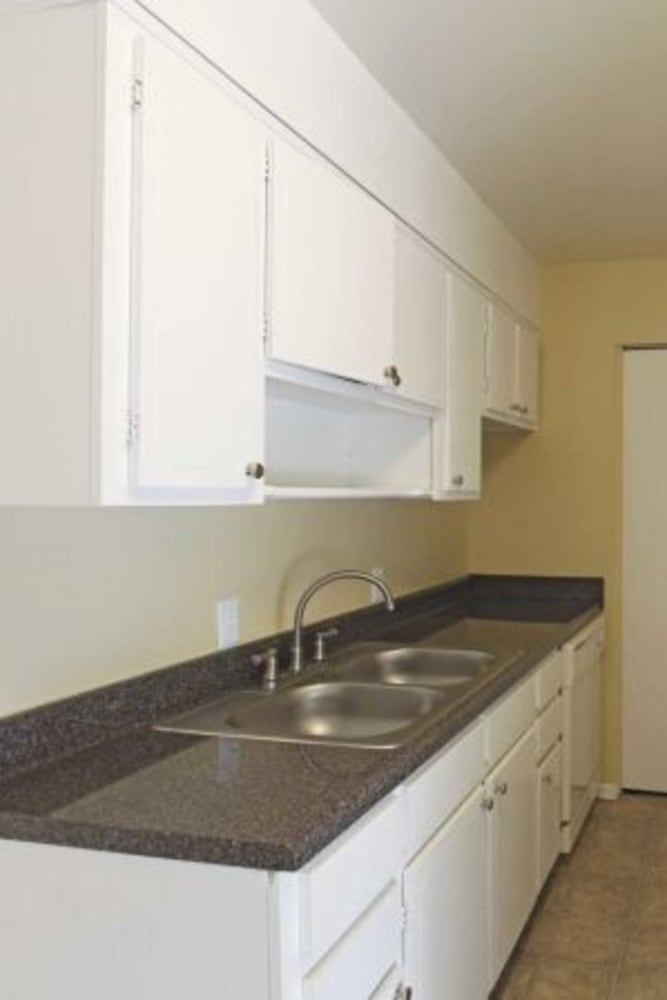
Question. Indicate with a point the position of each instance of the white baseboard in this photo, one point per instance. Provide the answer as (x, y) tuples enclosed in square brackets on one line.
[(609, 792)]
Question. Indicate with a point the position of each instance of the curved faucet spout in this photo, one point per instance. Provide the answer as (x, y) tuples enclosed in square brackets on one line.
[(322, 581)]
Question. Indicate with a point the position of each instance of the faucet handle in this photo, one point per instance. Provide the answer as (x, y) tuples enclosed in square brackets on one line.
[(268, 660), (320, 640)]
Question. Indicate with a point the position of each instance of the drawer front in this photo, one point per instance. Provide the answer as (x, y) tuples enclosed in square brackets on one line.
[(441, 785), (347, 877), (549, 727), (506, 722), (549, 679), (362, 962)]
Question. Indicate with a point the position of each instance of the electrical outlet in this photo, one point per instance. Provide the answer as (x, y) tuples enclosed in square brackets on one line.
[(376, 595), (227, 621)]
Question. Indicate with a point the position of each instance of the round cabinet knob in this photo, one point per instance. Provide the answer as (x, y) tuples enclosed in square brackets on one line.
[(458, 480), (548, 779), (391, 372), (255, 470)]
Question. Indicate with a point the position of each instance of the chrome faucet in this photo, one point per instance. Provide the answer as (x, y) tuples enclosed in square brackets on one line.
[(322, 581)]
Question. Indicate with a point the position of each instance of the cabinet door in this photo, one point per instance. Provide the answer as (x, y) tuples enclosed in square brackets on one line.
[(460, 433), (528, 369), (445, 899), (197, 379), (549, 795), (500, 382), (421, 304), (512, 848), (362, 961), (331, 271)]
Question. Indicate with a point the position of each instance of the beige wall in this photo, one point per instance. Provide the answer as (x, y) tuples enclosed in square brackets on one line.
[(91, 596), (552, 501)]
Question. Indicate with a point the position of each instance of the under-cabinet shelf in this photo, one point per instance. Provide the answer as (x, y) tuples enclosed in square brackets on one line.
[(327, 438)]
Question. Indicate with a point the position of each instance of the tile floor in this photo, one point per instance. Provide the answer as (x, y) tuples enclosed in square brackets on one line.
[(599, 931)]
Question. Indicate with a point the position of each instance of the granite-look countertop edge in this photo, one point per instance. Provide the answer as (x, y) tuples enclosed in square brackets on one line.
[(386, 771)]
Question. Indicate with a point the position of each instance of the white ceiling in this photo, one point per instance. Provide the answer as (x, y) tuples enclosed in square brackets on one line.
[(554, 110)]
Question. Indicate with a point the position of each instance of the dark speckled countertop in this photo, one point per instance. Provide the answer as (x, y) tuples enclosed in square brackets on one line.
[(91, 772)]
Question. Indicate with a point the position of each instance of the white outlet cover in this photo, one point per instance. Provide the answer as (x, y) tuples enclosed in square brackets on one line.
[(227, 621)]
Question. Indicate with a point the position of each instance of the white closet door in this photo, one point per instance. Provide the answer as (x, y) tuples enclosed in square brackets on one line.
[(197, 277), (645, 570)]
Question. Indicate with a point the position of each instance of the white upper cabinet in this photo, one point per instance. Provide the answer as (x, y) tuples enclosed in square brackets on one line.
[(528, 374), (330, 271), (500, 386), (156, 222), (185, 277), (196, 362), (421, 308), (512, 370), (458, 439)]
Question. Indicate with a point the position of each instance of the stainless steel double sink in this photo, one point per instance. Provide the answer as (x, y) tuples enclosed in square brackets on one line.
[(369, 695)]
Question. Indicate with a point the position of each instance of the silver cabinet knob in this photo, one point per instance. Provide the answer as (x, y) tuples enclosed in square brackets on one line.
[(391, 372), (255, 470), (487, 803), (458, 480), (501, 788)]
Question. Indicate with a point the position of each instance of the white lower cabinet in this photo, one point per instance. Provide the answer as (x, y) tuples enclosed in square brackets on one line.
[(424, 897), (549, 796), (445, 901), (512, 844), (360, 963)]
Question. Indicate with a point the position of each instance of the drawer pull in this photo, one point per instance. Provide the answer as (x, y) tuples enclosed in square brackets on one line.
[(391, 372), (502, 788), (487, 803)]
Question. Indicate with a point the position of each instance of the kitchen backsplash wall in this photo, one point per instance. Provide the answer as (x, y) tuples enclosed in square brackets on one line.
[(93, 596)]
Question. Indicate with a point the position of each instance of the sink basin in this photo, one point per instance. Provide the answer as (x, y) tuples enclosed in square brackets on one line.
[(331, 712), (414, 665)]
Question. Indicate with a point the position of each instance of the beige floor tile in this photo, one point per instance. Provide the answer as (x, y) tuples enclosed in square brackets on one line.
[(514, 982), (657, 849), (615, 856), (643, 983), (568, 981), (630, 807), (591, 894), (604, 904), (648, 941), (571, 936)]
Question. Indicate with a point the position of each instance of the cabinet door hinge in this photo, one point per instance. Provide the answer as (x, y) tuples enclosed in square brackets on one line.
[(404, 919), (265, 327), (137, 98), (267, 165), (132, 430)]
